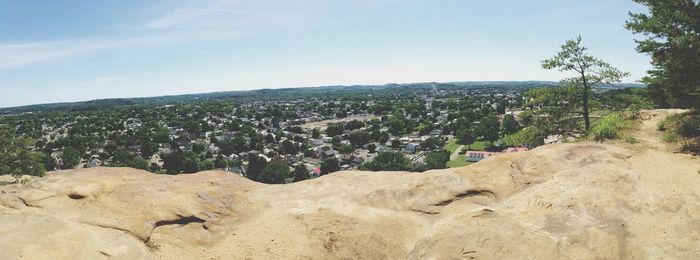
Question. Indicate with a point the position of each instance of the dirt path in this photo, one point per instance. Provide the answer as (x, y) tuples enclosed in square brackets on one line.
[(648, 133), (659, 161)]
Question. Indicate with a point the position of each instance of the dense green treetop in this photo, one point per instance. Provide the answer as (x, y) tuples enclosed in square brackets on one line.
[(672, 31), (388, 161), (590, 72), (16, 158), (437, 159), (330, 165), (275, 172)]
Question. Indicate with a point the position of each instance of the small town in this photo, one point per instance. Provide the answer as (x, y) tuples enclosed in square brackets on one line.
[(429, 128)]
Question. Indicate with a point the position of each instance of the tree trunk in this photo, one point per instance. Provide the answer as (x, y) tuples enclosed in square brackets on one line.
[(586, 118)]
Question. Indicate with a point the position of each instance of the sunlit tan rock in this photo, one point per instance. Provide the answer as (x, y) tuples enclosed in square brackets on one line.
[(566, 201)]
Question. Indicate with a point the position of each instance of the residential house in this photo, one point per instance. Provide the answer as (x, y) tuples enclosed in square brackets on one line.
[(412, 147), (475, 156), (317, 142), (330, 153)]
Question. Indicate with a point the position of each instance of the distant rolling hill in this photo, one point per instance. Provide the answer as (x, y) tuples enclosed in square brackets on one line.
[(280, 94)]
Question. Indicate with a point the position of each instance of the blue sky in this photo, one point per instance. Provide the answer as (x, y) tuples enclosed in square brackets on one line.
[(70, 50)]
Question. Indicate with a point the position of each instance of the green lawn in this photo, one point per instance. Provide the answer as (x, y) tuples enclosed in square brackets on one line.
[(462, 159), (451, 146), (476, 146), (479, 145), (460, 162)]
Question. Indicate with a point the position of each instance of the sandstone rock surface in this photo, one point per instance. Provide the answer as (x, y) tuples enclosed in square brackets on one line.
[(566, 201)]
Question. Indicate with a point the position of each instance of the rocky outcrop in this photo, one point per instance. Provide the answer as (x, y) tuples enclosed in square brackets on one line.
[(567, 201)]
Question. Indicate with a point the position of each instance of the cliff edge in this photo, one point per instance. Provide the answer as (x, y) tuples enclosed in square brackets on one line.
[(564, 201)]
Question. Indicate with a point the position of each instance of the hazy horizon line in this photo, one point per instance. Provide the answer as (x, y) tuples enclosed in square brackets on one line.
[(280, 88)]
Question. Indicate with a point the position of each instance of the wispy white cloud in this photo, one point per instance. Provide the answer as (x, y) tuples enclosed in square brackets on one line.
[(190, 15), (189, 21), (180, 24), (17, 55), (20, 55), (109, 78)]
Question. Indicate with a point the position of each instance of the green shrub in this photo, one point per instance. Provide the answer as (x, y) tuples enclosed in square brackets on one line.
[(673, 122), (530, 136), (670, 137), (631, 139), (690, 126), (661, 126), (681, 126), (609, 127), (692, 148)]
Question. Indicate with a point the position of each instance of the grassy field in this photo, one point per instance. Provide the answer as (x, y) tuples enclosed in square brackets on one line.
[(451, 146), (460, 161), (478, 146), (322, 125)]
